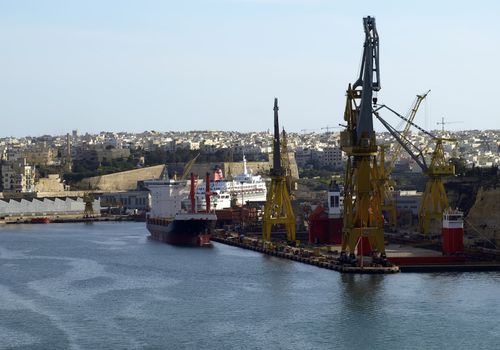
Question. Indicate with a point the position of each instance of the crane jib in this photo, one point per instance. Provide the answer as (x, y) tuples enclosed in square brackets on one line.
[(368, 80)]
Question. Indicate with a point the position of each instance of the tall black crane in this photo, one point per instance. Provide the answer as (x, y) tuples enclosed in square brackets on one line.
[(277, 170), (278, 208), (369, 78), (362, 200)]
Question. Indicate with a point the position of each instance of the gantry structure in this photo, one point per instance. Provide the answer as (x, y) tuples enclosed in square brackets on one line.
[(278, 208)]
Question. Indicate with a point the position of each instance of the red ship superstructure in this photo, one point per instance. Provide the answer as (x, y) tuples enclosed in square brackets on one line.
[(453, 232)]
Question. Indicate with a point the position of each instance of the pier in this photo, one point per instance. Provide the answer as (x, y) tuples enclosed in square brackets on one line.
[(302, 255)]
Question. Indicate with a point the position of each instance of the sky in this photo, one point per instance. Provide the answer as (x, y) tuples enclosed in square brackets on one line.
[(122, 65)]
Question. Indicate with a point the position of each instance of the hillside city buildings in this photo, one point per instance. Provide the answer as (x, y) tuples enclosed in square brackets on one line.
[(28, 159)]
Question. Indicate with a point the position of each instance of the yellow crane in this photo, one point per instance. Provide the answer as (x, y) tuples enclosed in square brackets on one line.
[(386, 184), (278, 207), (88, 199), (385, 187), (434, 199), (188, 166), (362, 201)]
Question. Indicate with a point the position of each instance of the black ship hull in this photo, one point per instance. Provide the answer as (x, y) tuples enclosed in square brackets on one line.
[(181, 232)]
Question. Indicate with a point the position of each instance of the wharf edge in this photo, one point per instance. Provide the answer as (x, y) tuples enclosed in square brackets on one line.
[(309, 260)]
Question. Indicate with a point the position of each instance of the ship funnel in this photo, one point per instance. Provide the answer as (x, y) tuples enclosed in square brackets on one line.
[(245, 170)]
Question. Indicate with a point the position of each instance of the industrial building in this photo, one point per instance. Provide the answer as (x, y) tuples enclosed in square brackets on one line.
[(55, 206)]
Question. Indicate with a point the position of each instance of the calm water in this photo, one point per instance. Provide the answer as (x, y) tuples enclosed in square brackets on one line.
[(106, 286)]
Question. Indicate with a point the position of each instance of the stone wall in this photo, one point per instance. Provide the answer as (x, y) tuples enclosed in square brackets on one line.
[(122, 181), (127, 180), (52, 183), (484, 214), (234, 168)]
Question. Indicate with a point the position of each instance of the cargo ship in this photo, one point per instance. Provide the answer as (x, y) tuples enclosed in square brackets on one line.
[(169, 222)]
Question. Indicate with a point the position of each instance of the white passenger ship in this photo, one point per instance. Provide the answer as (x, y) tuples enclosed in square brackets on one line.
[(243, 188)]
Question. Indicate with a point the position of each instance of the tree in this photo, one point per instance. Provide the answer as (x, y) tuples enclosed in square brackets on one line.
[(460, 165)]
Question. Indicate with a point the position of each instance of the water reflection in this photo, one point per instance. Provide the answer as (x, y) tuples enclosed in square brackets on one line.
[(360, 291)]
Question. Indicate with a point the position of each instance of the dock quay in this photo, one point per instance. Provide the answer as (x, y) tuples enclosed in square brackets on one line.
[(31, 219), (302, 255), (404, 258), (460, 267)]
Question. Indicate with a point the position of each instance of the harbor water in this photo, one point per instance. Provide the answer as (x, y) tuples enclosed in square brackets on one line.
[(107, 286)]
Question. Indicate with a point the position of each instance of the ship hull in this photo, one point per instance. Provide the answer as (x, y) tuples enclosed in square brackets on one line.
[(182, 232), (40, 220)]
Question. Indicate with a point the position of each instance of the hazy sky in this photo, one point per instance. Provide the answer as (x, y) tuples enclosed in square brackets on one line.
[(217, 64)]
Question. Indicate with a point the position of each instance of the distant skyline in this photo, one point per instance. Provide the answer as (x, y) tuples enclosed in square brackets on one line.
[(218, 64)]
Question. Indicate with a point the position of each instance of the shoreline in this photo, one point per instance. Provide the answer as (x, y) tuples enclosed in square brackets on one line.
[(51, 219)]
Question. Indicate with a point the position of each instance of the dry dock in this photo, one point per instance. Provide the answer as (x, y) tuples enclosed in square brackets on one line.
[(301, 255), (414, 259), (404, 258), (463, 267)]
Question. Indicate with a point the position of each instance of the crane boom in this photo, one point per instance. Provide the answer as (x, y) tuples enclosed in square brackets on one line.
[(406, 130), (188, 167), (434, 199), (405, 119), (405, 143), (384, 172), (277, 169), (367, 80)]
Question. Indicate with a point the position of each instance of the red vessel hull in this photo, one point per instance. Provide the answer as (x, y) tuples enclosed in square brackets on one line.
[(42, 220), (453, 240)]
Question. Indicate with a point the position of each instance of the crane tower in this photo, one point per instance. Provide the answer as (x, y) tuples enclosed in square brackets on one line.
[(278, 207), (362, 199)]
